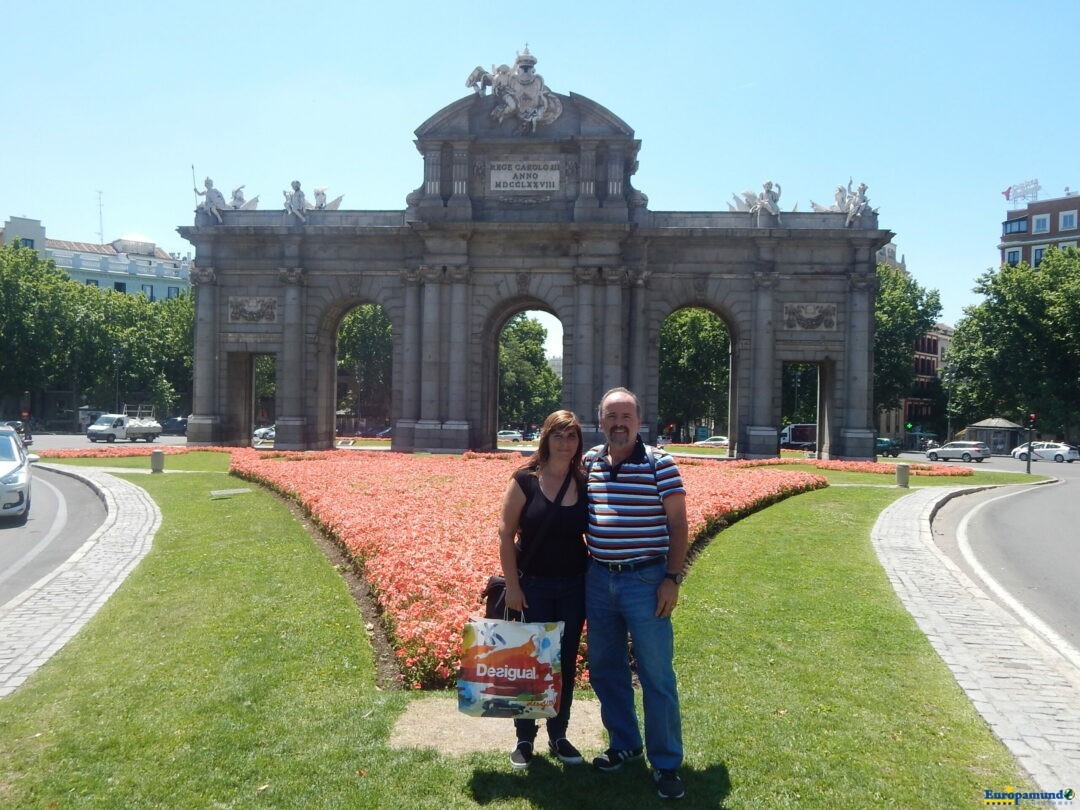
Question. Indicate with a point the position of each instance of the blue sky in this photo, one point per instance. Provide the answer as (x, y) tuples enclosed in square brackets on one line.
[(936, 106)]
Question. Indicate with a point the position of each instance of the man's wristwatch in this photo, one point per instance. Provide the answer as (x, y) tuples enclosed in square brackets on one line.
[(676, 578)]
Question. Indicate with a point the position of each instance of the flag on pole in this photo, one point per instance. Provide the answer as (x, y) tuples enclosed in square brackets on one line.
[(1007, 192)]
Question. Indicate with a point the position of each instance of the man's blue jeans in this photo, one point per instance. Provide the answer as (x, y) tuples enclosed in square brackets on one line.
[(624, 603), (554, 599)]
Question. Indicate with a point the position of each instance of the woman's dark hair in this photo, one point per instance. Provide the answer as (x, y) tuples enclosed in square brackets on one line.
[(559, 421)]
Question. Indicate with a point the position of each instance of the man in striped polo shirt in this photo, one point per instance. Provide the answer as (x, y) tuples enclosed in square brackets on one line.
[(637, 539)]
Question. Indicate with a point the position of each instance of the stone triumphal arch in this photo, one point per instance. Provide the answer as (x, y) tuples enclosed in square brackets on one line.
[(527, 202)]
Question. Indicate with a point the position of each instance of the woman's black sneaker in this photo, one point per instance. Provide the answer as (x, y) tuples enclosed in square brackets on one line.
[(522, 754), (613, 758), (564, 750)]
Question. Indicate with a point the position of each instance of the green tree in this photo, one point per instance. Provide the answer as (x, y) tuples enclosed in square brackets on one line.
[(529, 389), (32, 321), (903, 312), (108, 347), (695, 369), (365, 357), (1018, 351)]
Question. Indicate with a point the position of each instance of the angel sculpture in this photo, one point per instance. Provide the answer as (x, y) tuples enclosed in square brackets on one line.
[(320, 201), (238, 203)]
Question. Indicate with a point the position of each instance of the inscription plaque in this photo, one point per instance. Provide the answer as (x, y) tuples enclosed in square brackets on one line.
[(523, 174)]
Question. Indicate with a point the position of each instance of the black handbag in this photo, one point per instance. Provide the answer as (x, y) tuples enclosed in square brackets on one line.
[(494, 593)]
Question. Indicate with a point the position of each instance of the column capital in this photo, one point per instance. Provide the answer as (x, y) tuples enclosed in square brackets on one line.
[(410, 276), (202, 275), (293, 275), (863, 282), (765, 279), (459, 274), (614, 275), (586, 274)]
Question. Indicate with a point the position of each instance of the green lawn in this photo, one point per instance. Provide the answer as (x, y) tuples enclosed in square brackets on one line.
[(232, 669)]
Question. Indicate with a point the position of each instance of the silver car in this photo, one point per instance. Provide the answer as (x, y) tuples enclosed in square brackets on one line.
[(965, 451), (14, 476)]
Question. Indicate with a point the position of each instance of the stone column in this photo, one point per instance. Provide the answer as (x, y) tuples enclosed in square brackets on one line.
[(456, 428), (428, 428), (614, 371), (405, 429), (857, 418), (762, 431), (204, 425), (585, 397), (638, 343), (292, 419)]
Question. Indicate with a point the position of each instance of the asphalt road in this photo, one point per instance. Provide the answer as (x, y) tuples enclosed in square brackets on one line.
[(1021, 545), (64, 512)]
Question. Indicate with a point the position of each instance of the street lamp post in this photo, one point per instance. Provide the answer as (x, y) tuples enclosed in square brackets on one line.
[(117, 353)]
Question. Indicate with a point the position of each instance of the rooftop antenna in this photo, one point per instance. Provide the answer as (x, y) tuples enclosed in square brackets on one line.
[(101, 219)]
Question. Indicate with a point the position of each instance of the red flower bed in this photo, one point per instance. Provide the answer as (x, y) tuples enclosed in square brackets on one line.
[(880, 467), (425, 528), (127, 450)]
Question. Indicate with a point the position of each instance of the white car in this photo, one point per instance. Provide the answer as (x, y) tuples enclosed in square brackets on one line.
[(965, 451), (14, 476), (508, 436), (265, 434), (713, 441), (1047, 451)]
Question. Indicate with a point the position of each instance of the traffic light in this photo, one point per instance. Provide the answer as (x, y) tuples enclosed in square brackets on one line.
[(909, 426), (1031, 421)]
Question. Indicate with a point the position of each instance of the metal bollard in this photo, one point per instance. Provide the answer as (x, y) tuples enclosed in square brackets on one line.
[(157, 461), (902, 473)]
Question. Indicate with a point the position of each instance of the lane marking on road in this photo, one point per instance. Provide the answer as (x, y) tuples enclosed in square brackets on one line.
[(59, 521), (1063, 647)]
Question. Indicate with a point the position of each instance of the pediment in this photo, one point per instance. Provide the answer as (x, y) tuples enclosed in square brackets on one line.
[(471, 118)]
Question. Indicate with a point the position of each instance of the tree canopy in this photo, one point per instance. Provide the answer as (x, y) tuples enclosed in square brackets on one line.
[(107, 347), (1018, 351), (364, 352), (695, 369), (903, 312), (529, 389)]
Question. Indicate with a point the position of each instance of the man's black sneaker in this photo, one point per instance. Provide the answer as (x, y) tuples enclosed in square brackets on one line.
[(668, 783), (613, 758), (522, 754), (564, 750)]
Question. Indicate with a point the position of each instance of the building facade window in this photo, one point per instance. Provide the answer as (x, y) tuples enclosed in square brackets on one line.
[(1067, 221), (1012, 257), (148, 291), (92, 282), (120, 286), (1015, 226), (1040, 223), (27, 243), (172, 292), (1037, 255)]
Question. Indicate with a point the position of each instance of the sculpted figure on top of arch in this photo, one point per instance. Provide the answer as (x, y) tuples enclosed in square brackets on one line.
[(521, 92), (853, 203)]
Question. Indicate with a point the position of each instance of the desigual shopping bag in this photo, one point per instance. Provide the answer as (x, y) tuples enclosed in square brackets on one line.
[(510, 669)]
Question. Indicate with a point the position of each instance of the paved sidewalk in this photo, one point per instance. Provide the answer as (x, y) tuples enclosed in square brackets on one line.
[(40, 620), (1025, 690)]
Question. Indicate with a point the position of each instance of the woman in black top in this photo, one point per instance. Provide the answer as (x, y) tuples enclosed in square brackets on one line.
[(552, 586)]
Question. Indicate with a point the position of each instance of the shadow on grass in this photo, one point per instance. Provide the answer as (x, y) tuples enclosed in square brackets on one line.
[(550, 785)]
